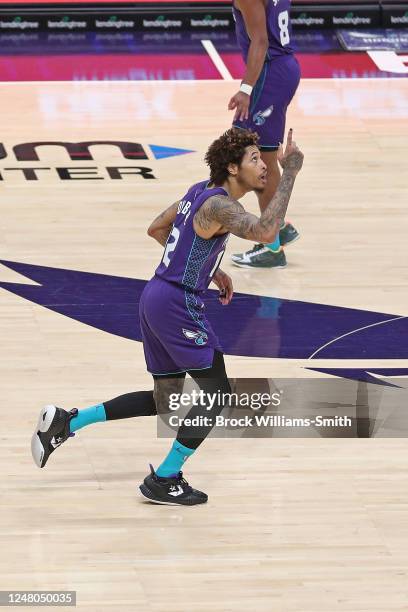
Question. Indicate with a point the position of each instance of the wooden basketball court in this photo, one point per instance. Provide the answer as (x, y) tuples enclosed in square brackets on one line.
[(292, 524)]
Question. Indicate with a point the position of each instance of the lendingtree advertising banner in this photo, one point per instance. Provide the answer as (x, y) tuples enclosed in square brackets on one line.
[(162, 16)]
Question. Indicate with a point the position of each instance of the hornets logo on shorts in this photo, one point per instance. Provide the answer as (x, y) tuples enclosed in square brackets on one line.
[(261, 116), (199, 337)]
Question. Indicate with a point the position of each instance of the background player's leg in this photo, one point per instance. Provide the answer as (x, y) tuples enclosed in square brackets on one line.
[(287, 232), (272, 181), (269, 255), (268, 120), (266, 255)]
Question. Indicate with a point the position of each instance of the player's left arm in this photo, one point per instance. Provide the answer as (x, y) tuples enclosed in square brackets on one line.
[(160, 228), (224, 283), (254, 14)]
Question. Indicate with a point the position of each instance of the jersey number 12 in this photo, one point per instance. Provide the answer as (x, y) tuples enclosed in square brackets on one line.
[(170, 246)]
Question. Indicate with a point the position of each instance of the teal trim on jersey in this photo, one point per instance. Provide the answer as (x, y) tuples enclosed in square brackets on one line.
[(192, 270), (260, 147), (182, 371), (269, 147), (193, 315), (256, 94)]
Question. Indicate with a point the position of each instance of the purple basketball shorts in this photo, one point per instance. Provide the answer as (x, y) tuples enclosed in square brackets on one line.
[(270, 98), (176, 334)]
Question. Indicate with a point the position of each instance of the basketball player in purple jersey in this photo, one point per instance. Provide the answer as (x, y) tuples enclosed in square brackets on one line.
[(177, 336), (272, 75)]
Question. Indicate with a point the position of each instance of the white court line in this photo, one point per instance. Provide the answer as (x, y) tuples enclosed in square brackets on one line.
[(217, 60), (354, 332)]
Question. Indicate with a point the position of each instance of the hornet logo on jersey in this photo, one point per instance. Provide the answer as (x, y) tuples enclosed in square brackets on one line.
[(199, 336), (261, 116)]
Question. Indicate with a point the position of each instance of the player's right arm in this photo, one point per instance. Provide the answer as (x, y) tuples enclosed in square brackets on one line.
[(223, 214), (160, 228)]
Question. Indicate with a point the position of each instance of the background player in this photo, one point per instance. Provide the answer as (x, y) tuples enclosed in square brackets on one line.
[(272, 75), (177, 337)]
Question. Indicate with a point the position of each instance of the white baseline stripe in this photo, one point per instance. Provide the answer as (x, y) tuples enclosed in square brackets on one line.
[(354, 332), (216, 58)]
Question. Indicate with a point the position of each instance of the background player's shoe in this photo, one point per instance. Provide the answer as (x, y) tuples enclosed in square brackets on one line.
[(52, 430), (261, 257), (257, 247), (172, 491), (288, 234)]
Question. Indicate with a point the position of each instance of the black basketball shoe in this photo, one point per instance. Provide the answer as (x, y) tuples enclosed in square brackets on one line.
[(260, 257), (288, 234), (172, 491), (52, 430)]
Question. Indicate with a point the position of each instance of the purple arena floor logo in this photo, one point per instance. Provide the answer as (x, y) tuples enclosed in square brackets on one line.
[(251, 326)]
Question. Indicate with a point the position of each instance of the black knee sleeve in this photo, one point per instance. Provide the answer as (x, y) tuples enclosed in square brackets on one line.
[(139, 403), (213, 381)]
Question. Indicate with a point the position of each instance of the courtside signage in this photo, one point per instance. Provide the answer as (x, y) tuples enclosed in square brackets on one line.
[(24, 158)]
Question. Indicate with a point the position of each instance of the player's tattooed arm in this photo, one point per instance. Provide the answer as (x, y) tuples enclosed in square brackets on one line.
[(224, 213), (229, 215), (160, 228)]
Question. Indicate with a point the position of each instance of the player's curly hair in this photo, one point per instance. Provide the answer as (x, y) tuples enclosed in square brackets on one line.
[(228, 149)]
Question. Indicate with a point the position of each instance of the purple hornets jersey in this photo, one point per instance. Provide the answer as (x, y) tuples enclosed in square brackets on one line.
[(188, 260), (278, 25)]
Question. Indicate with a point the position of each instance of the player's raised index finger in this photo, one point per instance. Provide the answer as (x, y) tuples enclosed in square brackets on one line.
[(290, 136)]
